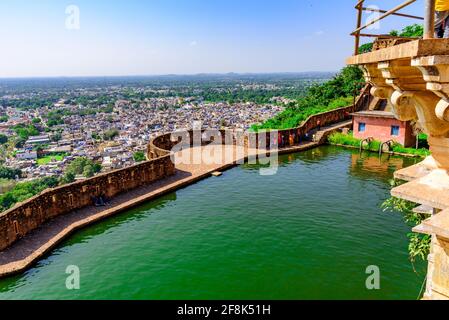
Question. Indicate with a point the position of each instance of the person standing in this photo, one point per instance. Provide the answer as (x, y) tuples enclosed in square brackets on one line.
[(442, 19)]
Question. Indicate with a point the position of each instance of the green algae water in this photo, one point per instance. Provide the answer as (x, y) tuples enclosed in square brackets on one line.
[(308, 232)]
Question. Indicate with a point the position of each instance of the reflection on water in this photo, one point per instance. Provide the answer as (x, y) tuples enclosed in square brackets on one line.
[(136, 214), (363, 164), (371, 165), (308, 232)]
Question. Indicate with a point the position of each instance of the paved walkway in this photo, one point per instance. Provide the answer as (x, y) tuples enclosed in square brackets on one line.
[(25, 252)]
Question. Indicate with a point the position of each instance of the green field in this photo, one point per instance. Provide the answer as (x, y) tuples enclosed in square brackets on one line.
[(50, 158)]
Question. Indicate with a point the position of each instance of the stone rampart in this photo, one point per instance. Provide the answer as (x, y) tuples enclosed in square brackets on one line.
[(30, 214)]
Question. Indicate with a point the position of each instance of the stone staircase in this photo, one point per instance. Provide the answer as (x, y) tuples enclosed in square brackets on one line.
[(321, 135)]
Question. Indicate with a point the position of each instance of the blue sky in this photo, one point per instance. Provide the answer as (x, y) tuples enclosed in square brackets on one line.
[(146, 37)]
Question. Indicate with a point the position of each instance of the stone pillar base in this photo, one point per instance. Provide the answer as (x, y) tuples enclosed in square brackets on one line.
[(439, 146)]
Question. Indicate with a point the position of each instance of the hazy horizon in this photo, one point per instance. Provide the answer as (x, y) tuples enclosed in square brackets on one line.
[(173, 75), (54, 39)]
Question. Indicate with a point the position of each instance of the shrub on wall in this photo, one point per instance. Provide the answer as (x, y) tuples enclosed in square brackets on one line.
[(25, 190), (334, 94), (339, 138), (419, 245)]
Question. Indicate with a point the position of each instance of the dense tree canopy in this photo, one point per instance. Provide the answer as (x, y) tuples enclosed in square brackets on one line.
[(412, 31), (3, 139), (81, 166), (333, 94), (139, 156), (24, 132), (110, 134), (9, 173), (25, 190)]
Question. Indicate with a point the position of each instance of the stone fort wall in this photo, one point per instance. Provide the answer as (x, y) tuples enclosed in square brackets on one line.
[(29, 215), (161, 145)]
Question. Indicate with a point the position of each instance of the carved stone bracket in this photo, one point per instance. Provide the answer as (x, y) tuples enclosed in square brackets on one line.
[(400, 75), (403, 105), (435, 70), (416, 88), (373, 75), (442, 110)]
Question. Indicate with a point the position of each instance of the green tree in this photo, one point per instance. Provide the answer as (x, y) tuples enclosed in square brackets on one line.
[(9, 173), (88, 171), (367, 47), (7, 200), (333, 94), (139, 156), (95, 136), (24, 132), (77, 165), (83, 166), (68, 177), (97, 167), (3, 139), (25, 190), (19, 142), (412, 31), (110, 134), (56, 137)]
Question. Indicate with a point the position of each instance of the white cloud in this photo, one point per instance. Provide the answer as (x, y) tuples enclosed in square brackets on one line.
[(319, 33), (193, 44)]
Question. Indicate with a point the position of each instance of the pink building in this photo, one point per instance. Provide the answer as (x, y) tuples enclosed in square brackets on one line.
[(382, 126)]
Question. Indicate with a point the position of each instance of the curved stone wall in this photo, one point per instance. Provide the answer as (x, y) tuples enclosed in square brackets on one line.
[(29, 215), (162, 145)]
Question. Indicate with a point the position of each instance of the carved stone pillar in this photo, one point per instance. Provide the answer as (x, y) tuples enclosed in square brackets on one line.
[(435, 70)]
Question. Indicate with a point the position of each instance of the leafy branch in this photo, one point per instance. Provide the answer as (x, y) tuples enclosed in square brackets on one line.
[(419, 246)]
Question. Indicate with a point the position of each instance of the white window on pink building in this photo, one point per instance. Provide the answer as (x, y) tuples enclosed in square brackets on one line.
[(395, 131), (362, 127)]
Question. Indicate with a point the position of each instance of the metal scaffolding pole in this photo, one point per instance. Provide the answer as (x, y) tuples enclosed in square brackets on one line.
[(429, 20)]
